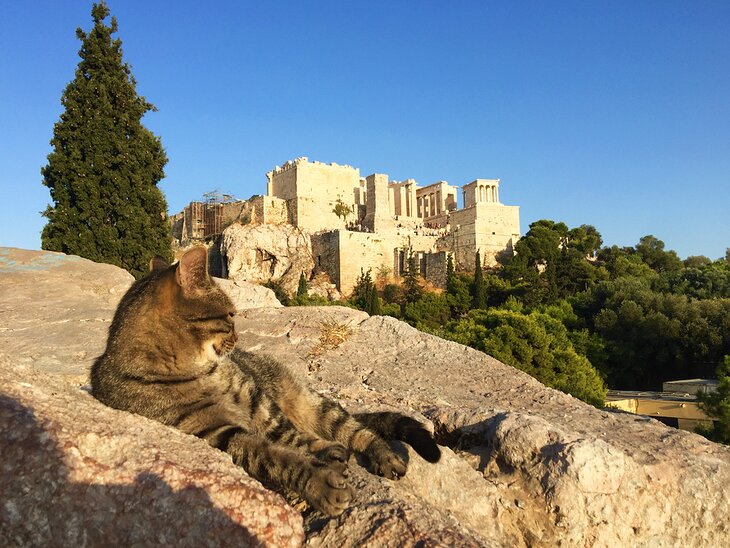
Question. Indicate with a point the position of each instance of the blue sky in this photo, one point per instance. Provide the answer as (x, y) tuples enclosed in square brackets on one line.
[(615, 114)]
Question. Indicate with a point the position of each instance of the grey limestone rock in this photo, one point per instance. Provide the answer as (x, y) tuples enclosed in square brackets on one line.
[(76, 473), (246, 295), (260, 253), (522, 464), (55, 309)]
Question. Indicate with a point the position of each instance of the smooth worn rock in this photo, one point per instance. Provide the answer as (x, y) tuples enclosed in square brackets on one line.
[(76, 473), (246, 295), (523, 465), (55, 309), (553, 469), (261, 253)]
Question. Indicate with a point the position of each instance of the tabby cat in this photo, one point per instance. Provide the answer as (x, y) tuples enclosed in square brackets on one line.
[(170, 356)]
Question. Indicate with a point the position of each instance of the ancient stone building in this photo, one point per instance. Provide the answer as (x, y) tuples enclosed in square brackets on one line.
[(390, 219), (358, 223)]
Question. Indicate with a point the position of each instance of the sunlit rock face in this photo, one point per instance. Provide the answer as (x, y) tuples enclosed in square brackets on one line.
[(522, 464)]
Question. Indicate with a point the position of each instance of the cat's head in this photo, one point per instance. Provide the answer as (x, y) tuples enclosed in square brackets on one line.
[(195, 307)]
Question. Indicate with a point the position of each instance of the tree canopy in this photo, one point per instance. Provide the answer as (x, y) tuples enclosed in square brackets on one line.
[(105, 165)]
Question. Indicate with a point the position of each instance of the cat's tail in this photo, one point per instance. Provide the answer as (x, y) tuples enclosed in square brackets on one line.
[(391, 425)]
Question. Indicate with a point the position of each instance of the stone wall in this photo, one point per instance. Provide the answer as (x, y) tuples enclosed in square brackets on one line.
[(487, 227), (343, 254), (312, 190), (265, 210)]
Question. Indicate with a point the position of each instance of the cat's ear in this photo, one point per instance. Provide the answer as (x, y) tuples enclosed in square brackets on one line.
[(158, 263), (192, 271)]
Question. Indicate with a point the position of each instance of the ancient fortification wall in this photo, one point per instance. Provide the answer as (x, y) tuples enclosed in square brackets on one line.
[(385, 221), (313, 189)]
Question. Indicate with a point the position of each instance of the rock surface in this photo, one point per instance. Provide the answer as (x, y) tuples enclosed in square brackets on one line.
[(77, 473), (261, 253), (322, 286), (55, 309), (524, 465), (552, 470), (246, 295)]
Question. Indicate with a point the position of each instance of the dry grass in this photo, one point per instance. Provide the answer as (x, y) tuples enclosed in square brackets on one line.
[(332, 335)]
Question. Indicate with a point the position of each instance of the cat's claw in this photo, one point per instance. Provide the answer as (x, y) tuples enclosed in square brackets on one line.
[(391, 467), (385, 461)]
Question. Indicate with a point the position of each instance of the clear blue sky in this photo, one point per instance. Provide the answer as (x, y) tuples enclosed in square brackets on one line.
[(615, 114)]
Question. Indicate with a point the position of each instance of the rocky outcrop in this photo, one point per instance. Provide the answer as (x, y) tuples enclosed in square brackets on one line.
[(262, 253), (246, 295), (56, 309), (77, 473), (321, 286), (522, 465), (549, 469)]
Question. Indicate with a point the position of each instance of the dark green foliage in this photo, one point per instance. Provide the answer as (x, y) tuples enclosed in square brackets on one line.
[(279, 291), (458, 295), (361, 293), (302, 287), (535, 343), (650, 336), (105, 165), (365, 295), (651, 251), (393, 294), (374, 308), (412, 288), (310, 300), (478, 293), (717, 406), (430, 312), (390, 309), (700, 279)]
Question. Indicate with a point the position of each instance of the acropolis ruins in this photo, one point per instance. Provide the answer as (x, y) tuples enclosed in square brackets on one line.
[(371, 223)]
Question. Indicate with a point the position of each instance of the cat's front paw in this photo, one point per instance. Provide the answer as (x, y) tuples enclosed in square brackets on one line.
[(328, 491), (385, 461)]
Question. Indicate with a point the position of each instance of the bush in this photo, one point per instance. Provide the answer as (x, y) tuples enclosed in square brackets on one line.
[(536, 344)]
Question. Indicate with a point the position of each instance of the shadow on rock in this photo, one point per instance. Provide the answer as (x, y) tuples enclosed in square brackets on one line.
[(43, 506)]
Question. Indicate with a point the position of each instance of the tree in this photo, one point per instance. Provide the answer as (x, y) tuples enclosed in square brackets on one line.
[(413, 290), (535, 343), (302, 287), (362, 292), (105, 165), (342, 210), (717, 406), (478, 290), (374, 308), (651, 251)]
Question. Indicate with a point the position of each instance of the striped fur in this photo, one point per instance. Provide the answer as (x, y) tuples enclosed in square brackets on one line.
[(170, 356)]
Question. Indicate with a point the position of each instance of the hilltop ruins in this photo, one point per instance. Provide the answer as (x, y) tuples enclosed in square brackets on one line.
[(368, 223)]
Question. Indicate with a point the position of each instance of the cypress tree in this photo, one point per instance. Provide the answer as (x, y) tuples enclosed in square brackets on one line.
[(449, 272), (411, 281), (478, 294), (105, 165), (302, 287), (361, 292), (374, 308)]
